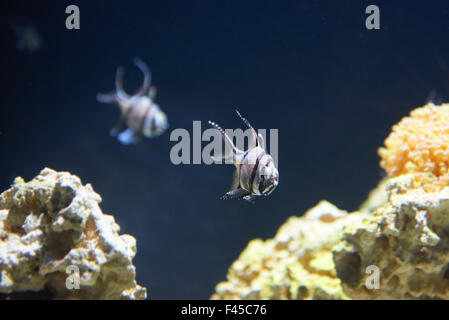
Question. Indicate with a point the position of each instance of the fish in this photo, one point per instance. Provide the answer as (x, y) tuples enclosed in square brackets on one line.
[(255, 172), (28, 38), (140, 116)]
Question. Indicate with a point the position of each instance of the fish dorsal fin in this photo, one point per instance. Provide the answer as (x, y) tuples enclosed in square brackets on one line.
[(120, 92), (143, 90), (253, 131), (224, 136), (119, 96), (260, 141), (152, 92)]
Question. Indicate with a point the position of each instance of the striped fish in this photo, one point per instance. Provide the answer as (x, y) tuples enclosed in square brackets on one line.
[(140, 116), (255, 174)]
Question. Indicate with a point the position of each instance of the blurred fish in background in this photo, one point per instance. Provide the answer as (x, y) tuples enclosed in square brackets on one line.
[(27, 38), (140, 116)]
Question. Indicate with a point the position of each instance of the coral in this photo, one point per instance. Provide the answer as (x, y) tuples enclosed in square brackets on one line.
[(406, 240), (295, 264), (395, 247), (54, 222), (402, 232), (376, 198), (420, 144)]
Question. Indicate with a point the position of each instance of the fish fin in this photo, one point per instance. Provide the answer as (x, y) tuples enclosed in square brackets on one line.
[(128, 137), (152, 92), (217, 159), (223, 133), (260, 141), (239, 193), (120, 92), (146, 77), (107, 97), (250, 198), (253, 131), (235, 151), (120, 126)]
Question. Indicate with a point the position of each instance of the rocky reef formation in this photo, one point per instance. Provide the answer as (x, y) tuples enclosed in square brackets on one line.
[(53, 233), (329, 254), (396, 246), (406, 242), (296, 264)]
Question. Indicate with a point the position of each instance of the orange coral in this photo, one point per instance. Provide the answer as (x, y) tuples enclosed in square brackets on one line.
[(419, 144)]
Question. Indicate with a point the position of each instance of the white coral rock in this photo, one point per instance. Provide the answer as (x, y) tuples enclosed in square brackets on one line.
[(53, 222)]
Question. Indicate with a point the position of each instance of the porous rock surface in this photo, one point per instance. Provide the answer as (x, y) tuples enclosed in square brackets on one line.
[(406, 240), (296, 264), (50, 227), (400, 237)]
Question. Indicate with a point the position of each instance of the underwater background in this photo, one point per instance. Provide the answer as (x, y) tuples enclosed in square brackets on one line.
[(308, 68)]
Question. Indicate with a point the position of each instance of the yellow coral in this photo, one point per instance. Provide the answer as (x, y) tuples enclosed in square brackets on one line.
[(406, 239), (419, 144), (296, 264)]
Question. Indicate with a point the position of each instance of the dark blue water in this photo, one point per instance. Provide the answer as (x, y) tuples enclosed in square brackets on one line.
[(310, 69)]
